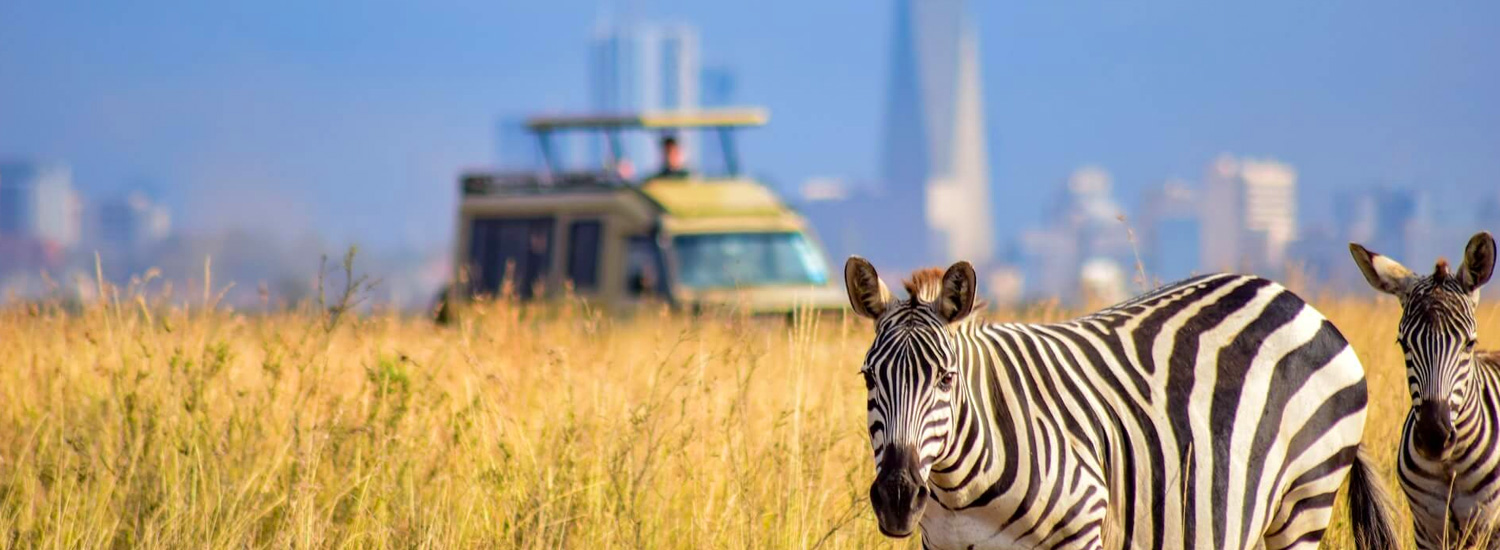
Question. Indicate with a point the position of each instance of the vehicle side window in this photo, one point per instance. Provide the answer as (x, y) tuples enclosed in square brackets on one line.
[(583, 254), (645, 270), (515, 250)]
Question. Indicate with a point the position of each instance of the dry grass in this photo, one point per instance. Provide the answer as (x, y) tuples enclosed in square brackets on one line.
[(139, 423)]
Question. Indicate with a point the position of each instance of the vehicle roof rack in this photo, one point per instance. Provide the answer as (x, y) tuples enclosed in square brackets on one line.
[(696, 118)]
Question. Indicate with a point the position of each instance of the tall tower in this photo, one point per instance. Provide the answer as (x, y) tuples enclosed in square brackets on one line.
[(936, 176)]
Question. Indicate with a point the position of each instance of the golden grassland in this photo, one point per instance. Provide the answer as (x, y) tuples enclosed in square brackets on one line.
[(147, 423)]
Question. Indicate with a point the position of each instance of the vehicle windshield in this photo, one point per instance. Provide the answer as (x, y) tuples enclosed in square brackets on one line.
[(728, 260)]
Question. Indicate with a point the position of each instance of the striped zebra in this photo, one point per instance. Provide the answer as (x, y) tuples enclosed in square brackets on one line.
[(1219, 412), (1449, 462)]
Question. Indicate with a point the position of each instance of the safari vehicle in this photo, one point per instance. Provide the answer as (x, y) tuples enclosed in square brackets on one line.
[(695, 241)]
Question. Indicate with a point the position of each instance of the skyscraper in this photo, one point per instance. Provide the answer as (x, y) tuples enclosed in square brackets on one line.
[(1171, 229), (1249, 214), (133, 221), (635, 66), (936, 176), (37, 201), (1390, 220), (717, 89), (1084, 246)]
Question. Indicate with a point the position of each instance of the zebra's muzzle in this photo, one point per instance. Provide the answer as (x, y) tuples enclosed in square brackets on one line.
[(899, 494), (1434, 433)]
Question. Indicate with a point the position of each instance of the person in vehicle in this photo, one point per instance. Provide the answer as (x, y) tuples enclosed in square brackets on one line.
[(673, 159)]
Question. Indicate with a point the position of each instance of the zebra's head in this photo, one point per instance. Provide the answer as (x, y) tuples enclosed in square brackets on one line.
[(912, 374), (1437, 334)]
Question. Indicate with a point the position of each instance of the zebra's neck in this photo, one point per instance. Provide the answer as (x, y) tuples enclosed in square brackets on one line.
[(1484, 398), (995, 428)]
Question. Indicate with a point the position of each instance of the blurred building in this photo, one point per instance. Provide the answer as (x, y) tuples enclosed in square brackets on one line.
[(840, 215), (1171, 231), (639, 66), (1249, 210), (718, 88), (1393, 221), (133, 221), (1320, 257), (38, 202), (126, 229), (1004, 285), (936, 206), (1085, 251)]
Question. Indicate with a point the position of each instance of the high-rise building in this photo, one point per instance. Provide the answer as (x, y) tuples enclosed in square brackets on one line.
[(718, 88), (1394, 221), (1249, 214), (839, 213), (1171, 231), (133, 220), (1085, 246), (37, 201), (936, 174), (637, 66)]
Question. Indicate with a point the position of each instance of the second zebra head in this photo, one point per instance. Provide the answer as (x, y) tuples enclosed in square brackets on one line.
[(1437, 333), (913, 377)]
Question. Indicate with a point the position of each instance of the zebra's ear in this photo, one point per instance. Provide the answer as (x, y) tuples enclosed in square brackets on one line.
[(1479, 261), (1384, 274), (867, 293), (957, 298)]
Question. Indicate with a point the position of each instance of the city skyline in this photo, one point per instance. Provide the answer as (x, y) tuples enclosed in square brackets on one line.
[(298, 120)]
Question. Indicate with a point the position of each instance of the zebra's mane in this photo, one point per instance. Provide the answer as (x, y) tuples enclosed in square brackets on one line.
[(1440, 271), (924, 287), (1436, 297)]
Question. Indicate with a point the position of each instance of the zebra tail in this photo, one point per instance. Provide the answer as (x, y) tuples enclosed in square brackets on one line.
[(1370, 507)]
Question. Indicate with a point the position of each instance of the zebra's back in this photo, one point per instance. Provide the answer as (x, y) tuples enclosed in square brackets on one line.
[(1218, 411)]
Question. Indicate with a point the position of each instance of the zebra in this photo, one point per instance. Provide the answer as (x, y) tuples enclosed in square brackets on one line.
[(1218, 412), (1449, 461)]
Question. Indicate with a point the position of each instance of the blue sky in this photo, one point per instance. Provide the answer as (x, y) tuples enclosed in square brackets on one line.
[(351, 119)]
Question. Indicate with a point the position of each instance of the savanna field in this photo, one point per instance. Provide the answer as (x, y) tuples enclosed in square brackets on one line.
[(152, 421)]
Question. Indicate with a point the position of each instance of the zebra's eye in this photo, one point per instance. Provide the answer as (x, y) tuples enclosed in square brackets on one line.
[(945, 381), (1469, 346)]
